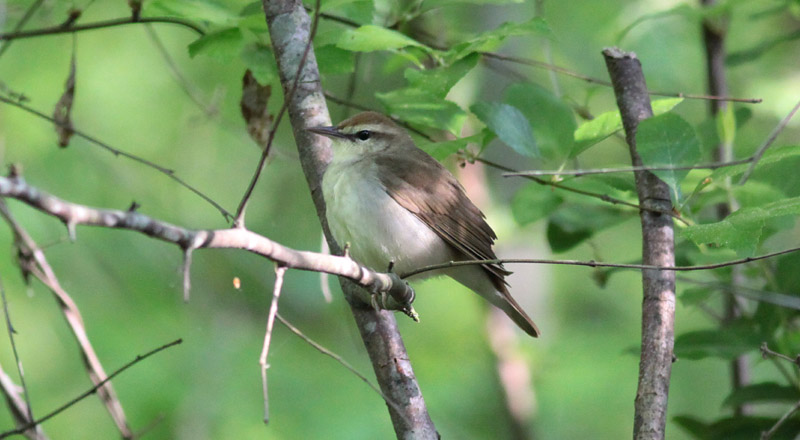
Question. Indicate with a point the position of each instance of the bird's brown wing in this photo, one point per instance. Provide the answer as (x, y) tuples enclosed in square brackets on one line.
[(442, 205)]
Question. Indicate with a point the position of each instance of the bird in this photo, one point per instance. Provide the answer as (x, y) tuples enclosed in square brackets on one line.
[(397, 207)]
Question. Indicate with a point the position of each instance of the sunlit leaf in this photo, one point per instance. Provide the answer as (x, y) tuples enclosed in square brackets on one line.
[(668, 140), (222, 45), (741, 231), (441, 150), (420, 107), (196, 10), (608, 123), (491, 40), (440, 80), (370, 38)]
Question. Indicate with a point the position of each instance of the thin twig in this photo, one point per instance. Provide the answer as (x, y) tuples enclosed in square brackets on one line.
[(117, 152), (579, 173), (591, 263), (766, 353), (17, 360), (239, 219), (32, 261), (17, 406), (24, 20), (400, 294), (338, 359), (589, 79), (768, 434), (603, 197), (90, 391), (772, 136), (183, 82), (61, 29), (280, 271)]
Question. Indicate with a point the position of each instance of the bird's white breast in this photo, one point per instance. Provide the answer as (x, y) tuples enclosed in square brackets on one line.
[(360, 212)]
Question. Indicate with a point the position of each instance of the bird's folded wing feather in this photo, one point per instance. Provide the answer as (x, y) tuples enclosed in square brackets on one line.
[(441, 204)]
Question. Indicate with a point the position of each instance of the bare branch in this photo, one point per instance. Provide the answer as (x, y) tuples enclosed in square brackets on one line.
[(658, 249), (603, 197), (289, 28), (32, 261), (592, 263), (400, 294), (17, 406), (17, 360), (587, 172), (90, 391), (22, 22), (772, 136), (591, 80), (117, 152), (280, 271), (61, 29)]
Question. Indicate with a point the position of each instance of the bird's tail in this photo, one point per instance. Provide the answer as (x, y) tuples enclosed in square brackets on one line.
[(492, 288)]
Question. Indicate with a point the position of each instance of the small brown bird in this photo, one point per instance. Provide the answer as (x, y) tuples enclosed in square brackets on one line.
[(392, 202)]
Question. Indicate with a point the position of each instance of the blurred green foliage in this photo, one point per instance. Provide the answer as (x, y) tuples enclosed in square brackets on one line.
[(420, 62)]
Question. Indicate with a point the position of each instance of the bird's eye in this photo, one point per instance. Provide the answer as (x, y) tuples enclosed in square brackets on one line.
[(363, 135)]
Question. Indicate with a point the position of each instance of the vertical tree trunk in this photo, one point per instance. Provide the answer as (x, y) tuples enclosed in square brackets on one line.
[(658, 307), (714, 41), (289, 28)]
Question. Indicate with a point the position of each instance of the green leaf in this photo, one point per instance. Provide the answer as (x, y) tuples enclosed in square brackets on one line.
[(533, 202), (562, 239), (786, 274), (768, 392), (196, 10), (260, 60), (509, 124), (491, 40), (573, 223), (441, 150), (747, 55), (370, 38), (431, 4), (440, 80), (741, 231), (725, 343), (591, 132), (738, 427), (551, 120), (668, 140), (778, 157), (333, 60), (222, 45), (420, 107), (695, 295)]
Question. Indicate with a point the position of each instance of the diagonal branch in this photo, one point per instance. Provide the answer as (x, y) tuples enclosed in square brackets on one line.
[(400, 293), (33, 261)]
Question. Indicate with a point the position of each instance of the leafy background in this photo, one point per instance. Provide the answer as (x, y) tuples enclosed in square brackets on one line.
[(583, 368)]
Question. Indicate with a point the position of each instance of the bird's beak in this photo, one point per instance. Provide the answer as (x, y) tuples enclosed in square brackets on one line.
[(327, 131)]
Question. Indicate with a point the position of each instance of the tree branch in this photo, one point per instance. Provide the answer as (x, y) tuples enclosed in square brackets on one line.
[(61, 29), (658, 248), (400, 295), (289, 28)]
